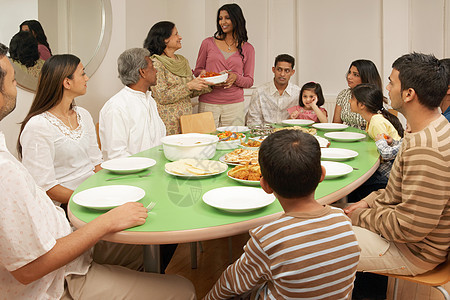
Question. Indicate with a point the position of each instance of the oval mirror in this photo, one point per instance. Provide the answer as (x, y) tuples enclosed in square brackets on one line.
[(80, 27)]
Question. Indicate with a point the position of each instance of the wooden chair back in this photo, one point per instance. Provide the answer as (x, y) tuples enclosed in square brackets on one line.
[(97, 129), (198, 123)]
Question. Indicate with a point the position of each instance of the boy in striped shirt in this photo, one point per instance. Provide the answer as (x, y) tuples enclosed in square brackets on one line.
[(310, 252), (405, 228)]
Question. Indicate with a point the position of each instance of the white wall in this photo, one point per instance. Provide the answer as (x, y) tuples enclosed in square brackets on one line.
[(324, 36)]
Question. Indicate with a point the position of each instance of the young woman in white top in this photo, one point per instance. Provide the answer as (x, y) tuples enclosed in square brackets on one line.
[(57, 139)]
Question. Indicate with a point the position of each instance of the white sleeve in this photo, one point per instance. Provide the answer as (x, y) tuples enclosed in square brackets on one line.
[(114, 133), (254, 110), (38, 151), (94, 153), (22, 238)]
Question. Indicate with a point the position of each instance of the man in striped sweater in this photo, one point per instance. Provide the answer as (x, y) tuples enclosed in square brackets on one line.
[(405, 228), (310, 252)]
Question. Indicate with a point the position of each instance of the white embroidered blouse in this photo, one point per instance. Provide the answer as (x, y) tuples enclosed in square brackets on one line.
[(54, 154)]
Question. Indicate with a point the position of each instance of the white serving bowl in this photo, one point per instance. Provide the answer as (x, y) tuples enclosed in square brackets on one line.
[(189, 145), (216, 79)]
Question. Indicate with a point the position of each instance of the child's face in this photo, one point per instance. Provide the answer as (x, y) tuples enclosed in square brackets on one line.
[(353, 104), (308, 97)]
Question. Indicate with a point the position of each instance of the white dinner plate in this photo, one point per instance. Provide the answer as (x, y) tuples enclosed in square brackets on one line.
[(258, 138), (128, 165), (297, 122), (238, 198), (335, 169), (234, 129), (337, 154), (108, 196), (222, 159), (193, 175), (345, 136), (330, 126), (246, 182)]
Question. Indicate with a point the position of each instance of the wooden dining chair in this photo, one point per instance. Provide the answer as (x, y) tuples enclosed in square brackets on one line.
[(435, 278), (198, 123), (97, 130)]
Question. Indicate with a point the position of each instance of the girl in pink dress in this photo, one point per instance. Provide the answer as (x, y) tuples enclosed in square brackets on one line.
[(310, 102)]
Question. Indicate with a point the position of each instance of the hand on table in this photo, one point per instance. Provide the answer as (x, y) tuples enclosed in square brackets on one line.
[(351, 208), (125, 216)]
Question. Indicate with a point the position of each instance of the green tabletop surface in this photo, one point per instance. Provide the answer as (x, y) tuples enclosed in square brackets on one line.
[(179, 200)]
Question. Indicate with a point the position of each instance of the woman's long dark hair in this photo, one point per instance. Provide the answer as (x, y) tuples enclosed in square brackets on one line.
[(238, 21), (372, 97), (38, 32), (157, 36), (50, 88), (23, 48)]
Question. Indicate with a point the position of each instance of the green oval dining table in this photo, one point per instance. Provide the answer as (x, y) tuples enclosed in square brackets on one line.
[(181, 216)]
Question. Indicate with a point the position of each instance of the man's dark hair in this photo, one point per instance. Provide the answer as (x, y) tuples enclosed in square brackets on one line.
[(425, 74), (290, 163), (286, 58), (446, 62), (3, 51)]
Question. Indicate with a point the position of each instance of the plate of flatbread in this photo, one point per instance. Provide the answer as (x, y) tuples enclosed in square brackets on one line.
[(240, 157), (192, 168)]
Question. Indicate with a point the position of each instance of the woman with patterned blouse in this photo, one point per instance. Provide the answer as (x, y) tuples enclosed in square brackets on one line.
[(175, 83), (360, 71)]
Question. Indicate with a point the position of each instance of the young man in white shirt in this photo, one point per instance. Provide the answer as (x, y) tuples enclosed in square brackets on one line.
[(269, 102), (40, 256), (129, 121)]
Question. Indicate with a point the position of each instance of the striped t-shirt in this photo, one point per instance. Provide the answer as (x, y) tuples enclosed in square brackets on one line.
[(414, 209), (301, 255)]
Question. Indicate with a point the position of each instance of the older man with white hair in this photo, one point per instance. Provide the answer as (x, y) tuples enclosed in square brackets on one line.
[(129, 121)]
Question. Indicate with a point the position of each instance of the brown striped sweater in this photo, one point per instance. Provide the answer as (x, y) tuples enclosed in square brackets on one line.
[(299, 256), (414, 209)]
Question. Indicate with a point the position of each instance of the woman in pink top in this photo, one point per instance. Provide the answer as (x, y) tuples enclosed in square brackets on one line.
[(228, 50)]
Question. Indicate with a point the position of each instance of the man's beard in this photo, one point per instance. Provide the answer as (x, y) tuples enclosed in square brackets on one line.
[(10, 105)]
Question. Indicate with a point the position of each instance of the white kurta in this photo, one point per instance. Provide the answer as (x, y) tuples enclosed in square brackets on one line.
[(268, 106), (54, 154), (129, 123), (29, 226)]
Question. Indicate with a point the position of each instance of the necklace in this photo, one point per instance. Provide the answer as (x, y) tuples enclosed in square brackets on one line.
[(67, 118), (229, 46)]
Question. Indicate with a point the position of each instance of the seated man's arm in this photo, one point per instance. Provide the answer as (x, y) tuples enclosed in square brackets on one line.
[(114, 133), (244, 274), (29, 248), (254, 110), (73, 245), (421, 182)]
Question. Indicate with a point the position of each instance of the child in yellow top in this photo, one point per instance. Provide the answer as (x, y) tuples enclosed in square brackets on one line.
[(367, 100)]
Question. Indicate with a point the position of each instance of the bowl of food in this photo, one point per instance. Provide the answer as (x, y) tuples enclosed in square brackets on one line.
[(214, 78), (189, 145), (229, 140)]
